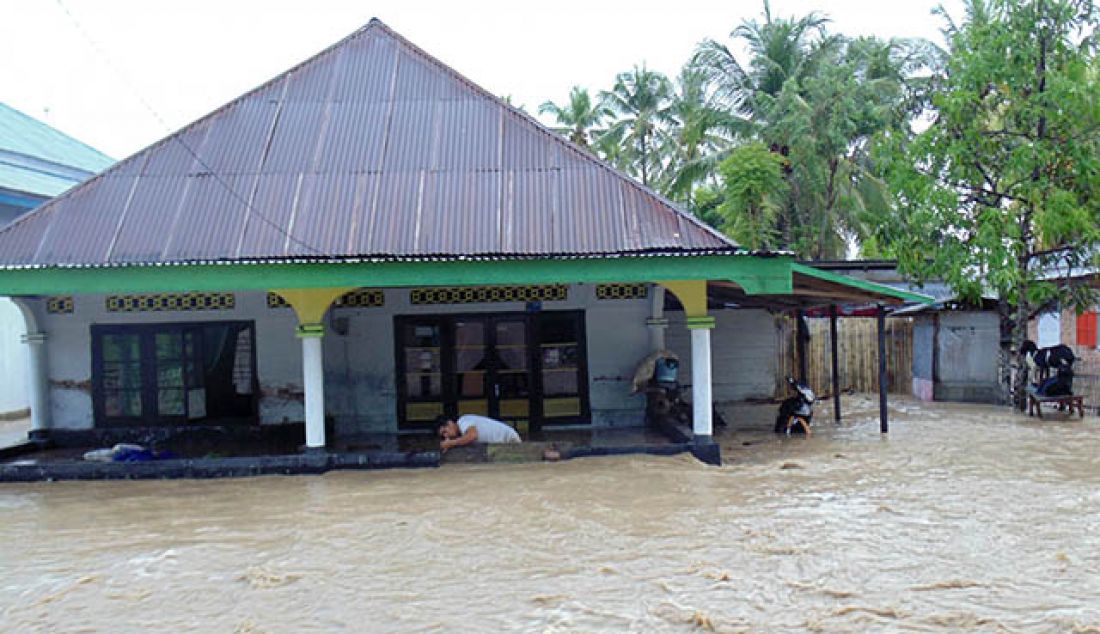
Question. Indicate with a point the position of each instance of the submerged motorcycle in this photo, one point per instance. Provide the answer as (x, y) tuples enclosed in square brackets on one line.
[(796, 412)]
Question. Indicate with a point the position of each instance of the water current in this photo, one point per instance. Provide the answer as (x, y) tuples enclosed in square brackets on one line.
[(963, 518)]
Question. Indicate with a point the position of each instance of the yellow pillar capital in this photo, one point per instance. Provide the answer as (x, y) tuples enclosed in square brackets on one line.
[(310, 304), (692, 295)]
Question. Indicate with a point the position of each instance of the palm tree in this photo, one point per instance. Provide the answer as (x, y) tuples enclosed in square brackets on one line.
[(579, 119), (700, 136), (781, 50), (640, 100)]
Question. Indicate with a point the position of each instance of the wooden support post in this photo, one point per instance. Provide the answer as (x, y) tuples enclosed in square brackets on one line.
[(836, 363), (883, 423), (800, 344)]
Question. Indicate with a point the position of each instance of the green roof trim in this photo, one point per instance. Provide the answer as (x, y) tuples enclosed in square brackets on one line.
[(863, 285), (755, 274)]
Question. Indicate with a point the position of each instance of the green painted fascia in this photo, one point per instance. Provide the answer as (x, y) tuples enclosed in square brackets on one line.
[(863, 285), (755, 274)]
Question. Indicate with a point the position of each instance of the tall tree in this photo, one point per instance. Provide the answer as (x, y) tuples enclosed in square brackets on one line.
[(640, 101), (1005, 182), (780, 49), (699, 135), (579, 119), (816, 99)]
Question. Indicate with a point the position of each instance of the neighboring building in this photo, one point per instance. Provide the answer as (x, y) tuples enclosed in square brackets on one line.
[(432, 249), (37, 163), (955, 347), (956, 352), (1079, 331)]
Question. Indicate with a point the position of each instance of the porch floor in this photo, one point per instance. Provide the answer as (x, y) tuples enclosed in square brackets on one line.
[(206, 453)]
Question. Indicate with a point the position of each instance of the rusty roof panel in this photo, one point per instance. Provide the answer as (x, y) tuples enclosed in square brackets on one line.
[(90, 224), (194, 236), (24, 236), (149, 219), (352, 141), (533, 204), (370, 149), (277, 195)]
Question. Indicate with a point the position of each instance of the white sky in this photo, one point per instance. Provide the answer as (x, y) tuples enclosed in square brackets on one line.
[(187, 57)]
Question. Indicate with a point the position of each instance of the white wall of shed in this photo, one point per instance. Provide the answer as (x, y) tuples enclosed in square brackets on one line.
[(14, 360), (744, 352)]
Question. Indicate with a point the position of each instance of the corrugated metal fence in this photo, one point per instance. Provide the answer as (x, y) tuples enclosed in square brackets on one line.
[(857, 355)]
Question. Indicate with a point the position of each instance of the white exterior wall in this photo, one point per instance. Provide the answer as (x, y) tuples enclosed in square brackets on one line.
[(744, 352), (69, 347), (13, 359), (360, 385)]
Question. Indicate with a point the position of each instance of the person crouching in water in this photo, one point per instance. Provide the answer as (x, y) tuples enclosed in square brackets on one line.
[(471, 428)]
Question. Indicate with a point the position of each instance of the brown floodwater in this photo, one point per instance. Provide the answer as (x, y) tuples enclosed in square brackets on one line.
[(965, 518)]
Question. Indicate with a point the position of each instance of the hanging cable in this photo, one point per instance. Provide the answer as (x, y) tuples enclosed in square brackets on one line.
[(176, 137)]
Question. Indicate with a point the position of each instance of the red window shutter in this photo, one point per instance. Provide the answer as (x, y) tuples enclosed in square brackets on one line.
[(1086, 329)]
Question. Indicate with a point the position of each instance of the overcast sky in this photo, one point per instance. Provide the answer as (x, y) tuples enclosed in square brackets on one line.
[(88, 77)]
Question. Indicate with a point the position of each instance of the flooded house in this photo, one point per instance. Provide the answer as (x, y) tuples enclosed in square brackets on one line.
[(370, 240)]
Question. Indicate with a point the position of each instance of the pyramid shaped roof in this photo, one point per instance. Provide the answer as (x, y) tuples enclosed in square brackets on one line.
[(370, 149)]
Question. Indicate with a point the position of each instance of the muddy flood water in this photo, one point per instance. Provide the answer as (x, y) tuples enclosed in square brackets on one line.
[(965, 518)]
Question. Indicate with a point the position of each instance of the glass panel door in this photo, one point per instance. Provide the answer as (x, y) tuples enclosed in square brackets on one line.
[(171, 378), (511, 375), (122, 385), (471, 371), (561, 360), (422, 344)]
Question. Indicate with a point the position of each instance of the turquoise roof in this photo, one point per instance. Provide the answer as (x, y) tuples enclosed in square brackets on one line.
[(37, 159)]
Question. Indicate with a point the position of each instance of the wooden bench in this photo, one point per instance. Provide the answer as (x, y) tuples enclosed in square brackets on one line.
[(1035, 403)]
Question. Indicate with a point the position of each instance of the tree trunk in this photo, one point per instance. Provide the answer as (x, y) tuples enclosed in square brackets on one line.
[(1019, 334)]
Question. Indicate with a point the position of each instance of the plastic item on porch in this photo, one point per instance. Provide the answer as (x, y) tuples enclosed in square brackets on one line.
[(666, 369), (645, 371), (109, 454)]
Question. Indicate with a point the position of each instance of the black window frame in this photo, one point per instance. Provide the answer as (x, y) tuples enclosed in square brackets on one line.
[(147, 332)]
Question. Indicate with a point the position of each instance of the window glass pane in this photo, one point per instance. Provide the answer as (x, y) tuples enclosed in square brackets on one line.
[(169, 345), (422, 335), (423, 385), (122, 403), (170, 374), (121, 347), (170, 402), (422, 359)]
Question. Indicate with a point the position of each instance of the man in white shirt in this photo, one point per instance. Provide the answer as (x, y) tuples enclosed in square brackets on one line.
[(471, 428)]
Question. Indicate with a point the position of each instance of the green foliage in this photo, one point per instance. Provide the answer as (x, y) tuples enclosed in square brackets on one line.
[(641, 101), (753, 188), (1003, 183), (1001, 189), (579, 120), (817, 99)]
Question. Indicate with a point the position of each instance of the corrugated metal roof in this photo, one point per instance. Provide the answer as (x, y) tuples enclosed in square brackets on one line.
[(37, 159), (371, 149)]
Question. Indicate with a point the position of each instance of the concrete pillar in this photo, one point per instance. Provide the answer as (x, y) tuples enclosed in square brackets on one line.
[(657, 322), (39, 382), (702, 401), (313, 375)]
